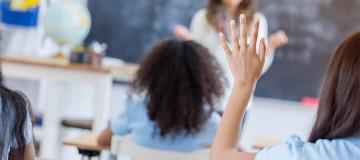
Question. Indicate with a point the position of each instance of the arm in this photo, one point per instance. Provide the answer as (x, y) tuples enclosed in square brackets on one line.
[(277, 40), (198, 28), (104, 138), (29, 148), (226, 148), (182, 32), (246, 66), (29, 153), (119, 125)]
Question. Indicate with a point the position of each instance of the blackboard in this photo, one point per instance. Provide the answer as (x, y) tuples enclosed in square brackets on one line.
[(131, 27), (315, 27)]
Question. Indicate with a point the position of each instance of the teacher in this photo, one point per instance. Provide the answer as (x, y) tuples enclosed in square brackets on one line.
[(208, 22)]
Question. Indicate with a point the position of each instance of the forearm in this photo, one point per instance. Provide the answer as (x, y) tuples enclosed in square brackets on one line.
[(28, 154), (104, 138), (246, 65), (228, 132)]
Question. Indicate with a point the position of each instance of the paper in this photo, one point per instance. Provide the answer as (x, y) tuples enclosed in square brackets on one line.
[(23, 5)]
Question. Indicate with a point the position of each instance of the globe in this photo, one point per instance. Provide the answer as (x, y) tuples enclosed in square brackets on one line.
[(67, 22)]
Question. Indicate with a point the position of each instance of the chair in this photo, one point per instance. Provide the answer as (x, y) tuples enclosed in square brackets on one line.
[(125, 147)]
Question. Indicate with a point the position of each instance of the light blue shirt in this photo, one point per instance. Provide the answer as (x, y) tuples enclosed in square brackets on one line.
[(296, 149), (9, 140), (134, 120)]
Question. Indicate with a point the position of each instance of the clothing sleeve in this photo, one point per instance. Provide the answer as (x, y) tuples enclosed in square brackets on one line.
[(264, 33), (210, 128), (198, 27), (120, 123), (291, 150), (28, 130)]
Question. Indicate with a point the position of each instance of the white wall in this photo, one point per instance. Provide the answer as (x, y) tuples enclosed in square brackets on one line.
[(277, 119)]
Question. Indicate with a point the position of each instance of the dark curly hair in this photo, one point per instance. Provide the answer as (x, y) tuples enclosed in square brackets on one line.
[(182, 81)]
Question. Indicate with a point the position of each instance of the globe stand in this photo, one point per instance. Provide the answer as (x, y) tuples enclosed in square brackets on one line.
[(61, 55)]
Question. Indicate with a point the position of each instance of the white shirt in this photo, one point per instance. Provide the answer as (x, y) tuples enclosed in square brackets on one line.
[(205, 34)]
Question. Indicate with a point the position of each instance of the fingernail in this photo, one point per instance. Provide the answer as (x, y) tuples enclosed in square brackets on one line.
[(221, 35), (242, 16), (232, 22)]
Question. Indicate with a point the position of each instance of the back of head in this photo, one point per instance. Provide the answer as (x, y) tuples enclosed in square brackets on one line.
[(339, 111), (182, 81)]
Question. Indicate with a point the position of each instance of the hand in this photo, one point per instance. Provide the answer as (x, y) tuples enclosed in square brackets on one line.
[(278, 39), (245, 64), (182, 32)]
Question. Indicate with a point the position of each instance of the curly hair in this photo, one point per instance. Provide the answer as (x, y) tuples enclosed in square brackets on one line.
[(214, 6), (182, 81)]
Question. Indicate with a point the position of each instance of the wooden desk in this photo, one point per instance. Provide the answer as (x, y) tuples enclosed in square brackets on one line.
[(87, 145), (263, 143), (123, 73), (86, 141), (52, 72)]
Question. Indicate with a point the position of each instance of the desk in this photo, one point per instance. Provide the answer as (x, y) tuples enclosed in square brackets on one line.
[(87, 145), (263, 143), (52, 72)]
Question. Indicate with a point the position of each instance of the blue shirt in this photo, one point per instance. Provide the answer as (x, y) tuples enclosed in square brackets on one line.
[(134, 120), (8, 138), (296, 149)]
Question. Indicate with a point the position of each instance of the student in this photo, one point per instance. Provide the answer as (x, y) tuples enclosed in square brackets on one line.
[(15, 125), (207, 23), (336, 132), (171, 104)]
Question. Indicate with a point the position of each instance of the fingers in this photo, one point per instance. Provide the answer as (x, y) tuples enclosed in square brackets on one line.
[(224, 44), (234, 35), (243, 31), (254, 35), (262, 51)]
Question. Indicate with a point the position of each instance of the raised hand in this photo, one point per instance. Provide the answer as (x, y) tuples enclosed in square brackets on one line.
[(182, 32), (278, 39), (245, 62)]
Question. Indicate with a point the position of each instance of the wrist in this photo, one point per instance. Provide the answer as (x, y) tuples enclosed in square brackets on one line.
[(244, 85)]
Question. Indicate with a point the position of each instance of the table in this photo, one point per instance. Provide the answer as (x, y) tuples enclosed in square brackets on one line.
[(50, 72), (87, 145), (263, 143)]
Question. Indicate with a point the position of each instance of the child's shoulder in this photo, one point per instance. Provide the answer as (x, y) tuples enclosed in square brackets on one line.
[(134, 97), (136, 101), (213, 119)]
